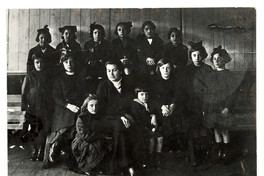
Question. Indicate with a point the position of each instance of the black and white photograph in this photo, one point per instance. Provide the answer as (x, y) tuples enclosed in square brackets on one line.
[(154, 91)]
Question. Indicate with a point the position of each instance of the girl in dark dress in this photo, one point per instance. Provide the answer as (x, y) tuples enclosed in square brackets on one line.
[(37, 106), (44, 39), (124, 48), (175, 50), (68, 98), (219, 102), (149, 47)]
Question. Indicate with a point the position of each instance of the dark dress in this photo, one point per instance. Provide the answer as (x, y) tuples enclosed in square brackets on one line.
[(96, 55), (145, 50), (37, 99), (87, 146), (219, 97), (114, 103), (194, 87), (49, 56), (167, 92), (128, 50), (178, 55)]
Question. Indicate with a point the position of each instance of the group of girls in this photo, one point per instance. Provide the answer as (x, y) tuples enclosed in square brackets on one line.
[(121, 102)]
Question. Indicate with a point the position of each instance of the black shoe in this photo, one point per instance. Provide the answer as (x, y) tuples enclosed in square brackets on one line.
[(77, 170), (34, 154), (40, 155), (47, 165)]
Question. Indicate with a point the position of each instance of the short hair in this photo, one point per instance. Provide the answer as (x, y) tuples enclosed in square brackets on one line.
[(127, 25), (44, 31), (150, 23), (116, 62), (141, 87), (162, 62), (37, 55), (86, 101), (176, 30), (66, 56), (197, 46), (222, 52), (94, 26)]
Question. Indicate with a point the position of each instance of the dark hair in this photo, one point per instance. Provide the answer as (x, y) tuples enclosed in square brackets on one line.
[(66, 55), (176, 30), (73, 33), (161, 62), (197, 46), (222, 52), (127, 25), (141, 87), (86, 101), (94, 26), (46, 32), (116, 62), (37, 55), (150, 23)]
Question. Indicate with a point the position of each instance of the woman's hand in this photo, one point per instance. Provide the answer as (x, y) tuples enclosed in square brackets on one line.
[(72, 108), (125, 122), (150, 61), (225, 112), (153, 120), (165, 110)]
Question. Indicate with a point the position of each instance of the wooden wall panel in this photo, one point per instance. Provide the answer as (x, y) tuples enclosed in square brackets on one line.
[(23, 48), (241, 44), (13, 27)]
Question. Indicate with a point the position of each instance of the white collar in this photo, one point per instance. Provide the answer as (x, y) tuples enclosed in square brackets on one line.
[(140, 102)]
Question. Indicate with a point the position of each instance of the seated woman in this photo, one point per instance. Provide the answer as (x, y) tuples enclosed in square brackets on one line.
[(68, 96), (124, 48), (175, 50)]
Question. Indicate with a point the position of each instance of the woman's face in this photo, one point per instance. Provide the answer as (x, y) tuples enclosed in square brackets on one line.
[(42, 40), (38, 64), (218, 61), (97, 35), (165, 71), (149, 31), (122, 31), (69, 65), (113, 73), (175, 38), (143, 97), (92, 106), (68, 35), (196, 58)]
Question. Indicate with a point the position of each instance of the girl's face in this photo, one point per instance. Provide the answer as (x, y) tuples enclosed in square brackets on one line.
[(149, 31), (122, 31), (113, 73), (69, 65), (97, 35), (218, 61), (38, 64), (68, 35), (92, 106), (175, 38), (42, 40), (196, 58), (165, 71), (143, 97)]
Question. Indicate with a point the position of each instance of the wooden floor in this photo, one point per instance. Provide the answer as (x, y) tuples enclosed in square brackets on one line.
[(20, 165)]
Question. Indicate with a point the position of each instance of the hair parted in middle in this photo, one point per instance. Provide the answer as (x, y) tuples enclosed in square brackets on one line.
[(86, 101), (127, 25), (94, 26), (197, 46)]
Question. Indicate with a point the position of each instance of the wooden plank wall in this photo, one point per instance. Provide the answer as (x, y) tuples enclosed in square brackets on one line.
[(241, 43)]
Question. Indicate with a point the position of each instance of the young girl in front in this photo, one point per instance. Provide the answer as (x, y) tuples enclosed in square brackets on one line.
[(219, 103), (144, 128)]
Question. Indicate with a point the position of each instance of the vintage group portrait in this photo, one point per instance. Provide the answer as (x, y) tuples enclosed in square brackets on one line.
[(131, 91)]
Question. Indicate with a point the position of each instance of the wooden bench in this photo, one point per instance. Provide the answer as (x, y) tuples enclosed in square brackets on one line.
[(15, 117)]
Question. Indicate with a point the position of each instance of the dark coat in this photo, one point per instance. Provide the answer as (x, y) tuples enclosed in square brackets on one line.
[(129, 51), (218, 97), (194, 87), (177, 54), (49, 55), (36, 97), (96, 56), (67, 89), (112, 102), (87, 150), (146, 50)]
